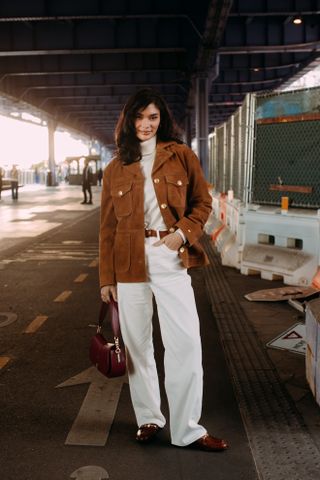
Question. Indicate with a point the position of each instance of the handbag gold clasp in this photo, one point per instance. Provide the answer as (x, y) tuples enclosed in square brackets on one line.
[(117, 349)]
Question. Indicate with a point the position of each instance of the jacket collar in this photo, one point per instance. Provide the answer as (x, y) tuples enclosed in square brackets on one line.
[(163, 153)]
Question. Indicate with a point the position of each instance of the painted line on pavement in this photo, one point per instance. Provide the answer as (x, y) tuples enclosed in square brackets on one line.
[(90, 472), (94, 263), (36, 324), (4, 361), (94, 420), (9, 317), (80, 278), (63, 296)]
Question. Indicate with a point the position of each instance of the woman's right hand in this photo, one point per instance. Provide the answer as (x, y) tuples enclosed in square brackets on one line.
[(107, 292)]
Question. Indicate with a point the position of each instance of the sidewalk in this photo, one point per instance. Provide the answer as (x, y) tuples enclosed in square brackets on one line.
[(268, 321), (39, 209), (42, 281)]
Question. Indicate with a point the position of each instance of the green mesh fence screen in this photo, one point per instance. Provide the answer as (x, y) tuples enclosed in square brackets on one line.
[(220, 160), (287, 149), (236, 156)]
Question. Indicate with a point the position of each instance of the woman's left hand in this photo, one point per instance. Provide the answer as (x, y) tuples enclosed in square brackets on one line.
[(172, 241)]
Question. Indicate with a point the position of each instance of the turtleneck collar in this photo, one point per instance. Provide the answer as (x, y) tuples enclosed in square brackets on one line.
[(148, 146)]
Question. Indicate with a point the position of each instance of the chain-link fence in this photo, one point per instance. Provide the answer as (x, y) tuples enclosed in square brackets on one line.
[(287, 149), (270, 148), (229, 152)]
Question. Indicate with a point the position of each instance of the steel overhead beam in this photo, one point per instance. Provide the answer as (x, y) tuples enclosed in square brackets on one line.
[(260, 67), (84, 72), (90, 63), (60, 18), (42, 114), (112, 85), (46, 99), (112, 121), (250, 49), (230, 94), (99, 108), (107, 116), (89, 51), (304, 67), (68, 97), (98, 114), (227, 104), (275, 13), (100, 120), (273, 80), (217, 18), (108, 113), (121, 98)]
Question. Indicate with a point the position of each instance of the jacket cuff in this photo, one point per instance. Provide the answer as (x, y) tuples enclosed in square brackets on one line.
[(108, 279), (191, 230), (182, 235)]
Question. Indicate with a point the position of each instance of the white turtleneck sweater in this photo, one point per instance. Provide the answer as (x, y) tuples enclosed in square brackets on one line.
[(152, 215)]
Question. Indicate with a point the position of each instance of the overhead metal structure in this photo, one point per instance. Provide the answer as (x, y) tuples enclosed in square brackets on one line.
[(80, 60)]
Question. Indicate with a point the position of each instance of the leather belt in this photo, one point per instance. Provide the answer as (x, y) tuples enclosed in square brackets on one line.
[(154, 233)]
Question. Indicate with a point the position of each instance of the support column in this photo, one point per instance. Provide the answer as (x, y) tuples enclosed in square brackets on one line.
[(51, 179), (187, 127), (202, 115)]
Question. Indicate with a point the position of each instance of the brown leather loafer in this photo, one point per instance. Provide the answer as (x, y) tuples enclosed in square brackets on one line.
[(209, 443), (147, 432)]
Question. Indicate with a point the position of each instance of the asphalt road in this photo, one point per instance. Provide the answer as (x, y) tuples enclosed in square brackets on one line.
[(36, 417)]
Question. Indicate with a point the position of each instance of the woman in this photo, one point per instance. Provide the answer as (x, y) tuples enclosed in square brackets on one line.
[(154, 205)]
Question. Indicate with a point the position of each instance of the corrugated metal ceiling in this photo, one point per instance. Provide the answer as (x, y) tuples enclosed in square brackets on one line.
[(80, 60)]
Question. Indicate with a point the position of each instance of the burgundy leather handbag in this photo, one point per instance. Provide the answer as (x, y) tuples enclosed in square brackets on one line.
[(108, 357)]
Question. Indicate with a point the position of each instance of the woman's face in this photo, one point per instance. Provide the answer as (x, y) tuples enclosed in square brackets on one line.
[(147, 122)]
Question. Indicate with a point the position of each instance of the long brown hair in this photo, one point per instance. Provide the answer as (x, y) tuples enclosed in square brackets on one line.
[(125, 134)]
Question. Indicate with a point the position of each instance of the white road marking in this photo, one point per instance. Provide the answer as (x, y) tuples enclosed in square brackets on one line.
[(80, 278), (94, 263), (45, 252), (72, 242), (63, 296), (96, 415), (4, 361), (36, 324), (90, 472), (9, 318)]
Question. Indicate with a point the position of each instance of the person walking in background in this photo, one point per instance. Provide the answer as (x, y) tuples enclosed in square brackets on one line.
[(1, 176), (14, 182), (154, 205), (100, 175), (86, 182)]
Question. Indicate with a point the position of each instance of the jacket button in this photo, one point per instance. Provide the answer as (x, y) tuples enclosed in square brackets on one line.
[(179, 183), (189, 230), (163, 206), (181, 250), (120, 193), (171, 230), (156, 180)]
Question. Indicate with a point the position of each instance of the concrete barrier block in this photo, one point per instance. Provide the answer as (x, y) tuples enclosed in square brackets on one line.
[(313, 347)]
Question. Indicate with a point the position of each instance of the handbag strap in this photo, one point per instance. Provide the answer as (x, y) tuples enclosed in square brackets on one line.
[(114, 317)]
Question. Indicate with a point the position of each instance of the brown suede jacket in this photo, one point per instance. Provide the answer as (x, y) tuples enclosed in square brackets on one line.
[(184, 202)]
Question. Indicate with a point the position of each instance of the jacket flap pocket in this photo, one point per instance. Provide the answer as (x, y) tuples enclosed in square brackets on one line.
[(121, 190), (178, 180)]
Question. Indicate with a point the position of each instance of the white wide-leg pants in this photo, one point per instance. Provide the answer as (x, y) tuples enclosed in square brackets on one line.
[(170, 283)]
